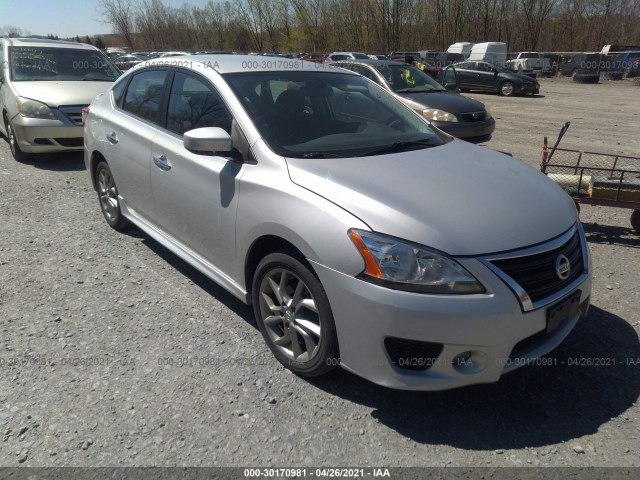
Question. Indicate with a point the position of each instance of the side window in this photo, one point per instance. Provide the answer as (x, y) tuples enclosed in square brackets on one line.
[(194, 104), (144, 94)]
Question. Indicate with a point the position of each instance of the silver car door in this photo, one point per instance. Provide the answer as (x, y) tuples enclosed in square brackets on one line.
[(128, 131), (195, 195)]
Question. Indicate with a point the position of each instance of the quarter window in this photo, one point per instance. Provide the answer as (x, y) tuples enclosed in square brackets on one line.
[(194, 104), (118, 92), (144, 94)]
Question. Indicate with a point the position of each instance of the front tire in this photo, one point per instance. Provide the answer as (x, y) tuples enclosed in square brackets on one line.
[(16, 152), (108, 196), (293, 314), (507, 89)]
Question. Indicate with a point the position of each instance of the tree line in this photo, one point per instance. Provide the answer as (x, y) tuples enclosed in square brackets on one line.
[(374, 25)]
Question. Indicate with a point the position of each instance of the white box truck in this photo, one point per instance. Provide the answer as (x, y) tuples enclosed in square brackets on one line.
[(464, 48), (491, 52)]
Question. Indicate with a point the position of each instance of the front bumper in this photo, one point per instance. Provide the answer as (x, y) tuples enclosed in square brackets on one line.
[(469, 131), (492, 326), (530, 88), (40, 136)]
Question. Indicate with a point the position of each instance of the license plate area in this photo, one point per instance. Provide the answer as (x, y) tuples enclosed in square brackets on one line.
[(558, 313)]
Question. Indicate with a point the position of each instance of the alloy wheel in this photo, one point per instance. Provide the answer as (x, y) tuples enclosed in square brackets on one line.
[(108, 195), (290, 315)]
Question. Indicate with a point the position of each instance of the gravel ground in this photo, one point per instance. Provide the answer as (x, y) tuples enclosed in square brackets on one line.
[(115, 352)]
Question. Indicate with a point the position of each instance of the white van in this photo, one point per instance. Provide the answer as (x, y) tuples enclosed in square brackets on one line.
[(463, 48), (490, 52)]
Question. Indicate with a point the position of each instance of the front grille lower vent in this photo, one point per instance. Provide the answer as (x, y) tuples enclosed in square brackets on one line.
[(412, 354)]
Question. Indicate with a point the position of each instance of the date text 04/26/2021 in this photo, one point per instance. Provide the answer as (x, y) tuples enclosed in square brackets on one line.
[(316, 472)]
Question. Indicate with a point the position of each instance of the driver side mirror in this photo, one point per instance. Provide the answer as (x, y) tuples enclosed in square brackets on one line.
[(207, 140)]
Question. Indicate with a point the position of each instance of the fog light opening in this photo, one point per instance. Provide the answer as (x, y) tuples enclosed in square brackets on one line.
[(469, 362)]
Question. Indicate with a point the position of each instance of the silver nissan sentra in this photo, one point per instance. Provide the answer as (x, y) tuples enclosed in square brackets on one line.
[(363, 236)]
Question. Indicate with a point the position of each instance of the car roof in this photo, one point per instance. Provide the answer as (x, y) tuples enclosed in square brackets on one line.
[(345, 53), (43, 42), (242, 63), (372, 63)]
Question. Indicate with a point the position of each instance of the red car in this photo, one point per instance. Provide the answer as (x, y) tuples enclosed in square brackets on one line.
[(313, 57)]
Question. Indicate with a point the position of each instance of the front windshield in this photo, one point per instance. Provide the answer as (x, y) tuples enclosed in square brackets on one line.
[(30, 64), (404, 78), (360, 56), (328, 114), (502, 68)]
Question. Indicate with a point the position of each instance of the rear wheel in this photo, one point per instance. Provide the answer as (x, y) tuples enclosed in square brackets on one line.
[(16, 152), (294, 316), (506, 89), (108, 196)]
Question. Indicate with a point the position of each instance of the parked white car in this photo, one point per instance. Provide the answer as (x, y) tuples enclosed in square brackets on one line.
[(336, 56)]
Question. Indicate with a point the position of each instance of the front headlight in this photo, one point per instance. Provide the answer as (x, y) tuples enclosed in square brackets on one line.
[(34, 109), (400, 265), (439, 115)]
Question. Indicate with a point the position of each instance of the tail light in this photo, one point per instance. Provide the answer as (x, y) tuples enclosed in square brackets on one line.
[(85, 114)]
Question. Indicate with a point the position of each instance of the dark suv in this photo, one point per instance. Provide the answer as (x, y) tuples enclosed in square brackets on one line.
[(584, 67)]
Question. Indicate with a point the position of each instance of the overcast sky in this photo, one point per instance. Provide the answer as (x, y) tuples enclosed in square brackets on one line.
[(65, 18)]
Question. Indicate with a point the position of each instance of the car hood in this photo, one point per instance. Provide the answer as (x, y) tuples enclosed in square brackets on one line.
[(458, 198), (55, 94), (444, 100), (517, 76)]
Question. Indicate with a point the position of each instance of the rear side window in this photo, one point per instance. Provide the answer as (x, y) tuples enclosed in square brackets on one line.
[(144, 94)]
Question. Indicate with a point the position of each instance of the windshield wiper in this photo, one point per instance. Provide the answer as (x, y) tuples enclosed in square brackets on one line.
[(320, 155), (397, 147), (415, 90)]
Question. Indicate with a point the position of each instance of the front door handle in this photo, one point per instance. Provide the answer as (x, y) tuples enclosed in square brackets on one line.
[(112, 137), (162, 162)]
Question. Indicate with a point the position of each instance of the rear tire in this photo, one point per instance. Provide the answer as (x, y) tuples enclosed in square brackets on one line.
[(108, 197), (293, 314)]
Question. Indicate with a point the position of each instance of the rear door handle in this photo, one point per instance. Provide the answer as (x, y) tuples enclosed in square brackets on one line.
[(112, 137), (162, 162)]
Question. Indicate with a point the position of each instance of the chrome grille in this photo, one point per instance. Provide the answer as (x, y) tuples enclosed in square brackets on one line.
[(474, 117), (73, 113), (533, 273)]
